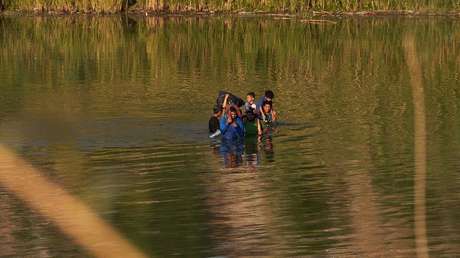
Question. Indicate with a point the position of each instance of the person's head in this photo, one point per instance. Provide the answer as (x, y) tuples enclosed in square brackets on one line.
[(233, 113), (269, 95), (217, 111), (250, 97), (267, 106)]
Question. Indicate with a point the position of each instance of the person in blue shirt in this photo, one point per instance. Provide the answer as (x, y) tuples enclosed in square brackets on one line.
[(231, 125)]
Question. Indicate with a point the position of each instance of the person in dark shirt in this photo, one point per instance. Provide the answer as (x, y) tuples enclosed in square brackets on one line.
[(214, 120), (250, 115), (249, 107), (266, 118), (268, 96)]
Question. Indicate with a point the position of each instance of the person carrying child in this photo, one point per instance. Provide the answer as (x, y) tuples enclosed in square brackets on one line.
[(266, 118)]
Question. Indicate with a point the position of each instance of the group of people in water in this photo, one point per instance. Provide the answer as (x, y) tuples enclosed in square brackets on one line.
[(234, 119)]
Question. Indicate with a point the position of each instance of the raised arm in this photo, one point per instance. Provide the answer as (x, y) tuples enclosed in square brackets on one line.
[(224, 104)]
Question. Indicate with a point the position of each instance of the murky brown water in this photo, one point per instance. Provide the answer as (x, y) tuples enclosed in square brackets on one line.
[(365, 161)]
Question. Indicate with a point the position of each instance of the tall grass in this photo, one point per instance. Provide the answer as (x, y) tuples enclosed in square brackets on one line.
[(289, 6), (99, 6)]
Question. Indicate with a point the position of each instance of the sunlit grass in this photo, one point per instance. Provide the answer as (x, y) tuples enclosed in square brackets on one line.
[(99, 6), (291, 6)]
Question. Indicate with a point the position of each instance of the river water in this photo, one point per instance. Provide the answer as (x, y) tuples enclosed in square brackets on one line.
[(365, 161)]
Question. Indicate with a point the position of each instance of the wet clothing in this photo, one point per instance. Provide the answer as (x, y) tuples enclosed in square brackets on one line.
[(250, 128), (232, 152), (250, 119), (213, 124), (231, 132), (266, 121), (249, 112)]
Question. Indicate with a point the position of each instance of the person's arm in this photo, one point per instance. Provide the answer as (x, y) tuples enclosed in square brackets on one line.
[(273, 115), (223, 124), (259, 104), (245, 109), (241, 130), (259, 127), (225, 101), (262, 115), (239, 122)]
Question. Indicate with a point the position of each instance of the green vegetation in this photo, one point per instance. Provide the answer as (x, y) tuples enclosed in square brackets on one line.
[(285, 6)]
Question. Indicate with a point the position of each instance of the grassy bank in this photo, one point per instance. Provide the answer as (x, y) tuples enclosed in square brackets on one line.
[(289, 6)]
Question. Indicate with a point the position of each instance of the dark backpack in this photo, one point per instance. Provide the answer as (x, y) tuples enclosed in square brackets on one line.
[(232, 99)]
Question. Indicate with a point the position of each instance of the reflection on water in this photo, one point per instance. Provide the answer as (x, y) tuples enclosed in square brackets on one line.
[(68, 213), (232, 153), (419, 147), (364, 162), (248, 153)]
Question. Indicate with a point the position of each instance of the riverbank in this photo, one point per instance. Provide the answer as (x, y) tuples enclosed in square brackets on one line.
[(240, 7), (276, 15)]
